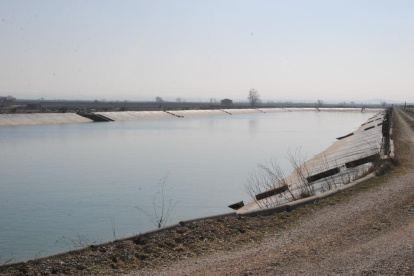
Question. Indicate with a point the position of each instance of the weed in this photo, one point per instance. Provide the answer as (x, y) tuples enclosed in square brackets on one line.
[(113, 227), (77, 242), (161, 208)]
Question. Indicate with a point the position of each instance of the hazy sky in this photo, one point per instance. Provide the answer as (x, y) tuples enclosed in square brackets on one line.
[(137, 50)]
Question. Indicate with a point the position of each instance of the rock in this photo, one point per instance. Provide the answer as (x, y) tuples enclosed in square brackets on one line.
[(79, 267), (179, 240), (141, 256), (147, 248), (181, 230), (376, 227), (170, 244), (140, 241)]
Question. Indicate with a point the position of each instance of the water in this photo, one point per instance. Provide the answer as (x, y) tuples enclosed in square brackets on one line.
[(64, 180)]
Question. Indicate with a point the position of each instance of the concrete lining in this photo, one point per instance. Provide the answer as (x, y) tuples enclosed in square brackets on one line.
[(345, 136), (292, 109), (226, 112), (328, 193), (268, 211), (41, 118), (321, 175), (392, 155), (272, 110), (356, 151), (271, 192), (135, 115), (356, 182), (197, 113), (59, 118), (348, 109), (361, 161), (297, 203), (240, 111)]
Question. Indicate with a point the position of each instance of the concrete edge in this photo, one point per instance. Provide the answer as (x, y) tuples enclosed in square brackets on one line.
[(144, 234), (392, 154), (305, 201), (328, 193), (300, 202), (214, 217), (272, 210), (356, 182)]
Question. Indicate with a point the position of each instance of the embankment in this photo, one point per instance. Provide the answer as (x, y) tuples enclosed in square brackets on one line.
[(65, 118)]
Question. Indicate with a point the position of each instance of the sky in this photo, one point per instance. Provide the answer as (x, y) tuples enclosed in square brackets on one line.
[(196, 50)]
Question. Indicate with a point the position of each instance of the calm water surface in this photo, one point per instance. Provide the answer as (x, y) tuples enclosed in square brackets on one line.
[(58, 180)]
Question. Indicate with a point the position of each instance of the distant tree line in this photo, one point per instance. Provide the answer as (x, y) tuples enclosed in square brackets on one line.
[(7, 99)]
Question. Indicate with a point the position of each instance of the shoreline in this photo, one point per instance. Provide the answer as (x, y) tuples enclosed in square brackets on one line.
[(66, 118)]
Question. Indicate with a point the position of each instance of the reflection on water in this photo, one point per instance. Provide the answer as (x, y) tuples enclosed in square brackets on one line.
[(253, 127), (61, 179)]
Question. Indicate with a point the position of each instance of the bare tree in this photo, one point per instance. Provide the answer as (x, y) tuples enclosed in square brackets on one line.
[(301, 172), (268, 178), (178, 100), (320, 103), (323, 164), (158, 99), (253, 97), (7, 99)]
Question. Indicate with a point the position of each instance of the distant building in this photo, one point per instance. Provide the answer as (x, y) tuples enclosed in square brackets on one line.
[(226, 102), (33, 106)]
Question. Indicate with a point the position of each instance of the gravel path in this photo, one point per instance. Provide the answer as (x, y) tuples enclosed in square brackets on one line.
[(368, 233)]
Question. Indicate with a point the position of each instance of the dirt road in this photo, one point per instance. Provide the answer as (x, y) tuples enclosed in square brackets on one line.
[(369, 232)]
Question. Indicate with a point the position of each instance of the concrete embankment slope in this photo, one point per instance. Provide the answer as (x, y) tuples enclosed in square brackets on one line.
[(64, 118), (142, 115), (41, 118), (346, 160)]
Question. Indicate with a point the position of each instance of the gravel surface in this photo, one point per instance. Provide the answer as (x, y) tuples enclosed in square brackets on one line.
[(368, 233)]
